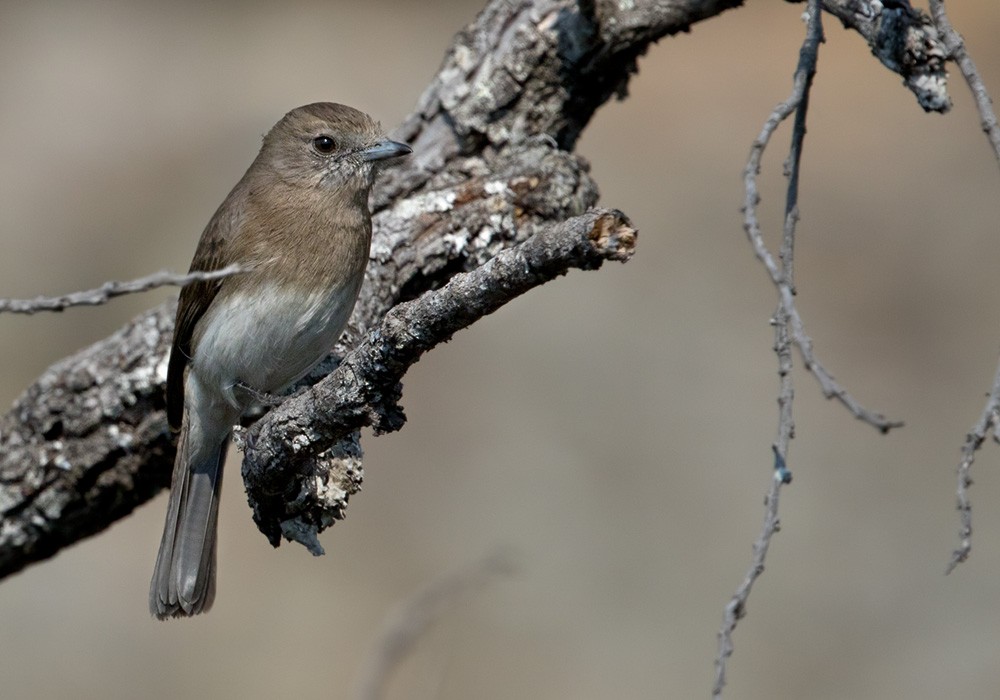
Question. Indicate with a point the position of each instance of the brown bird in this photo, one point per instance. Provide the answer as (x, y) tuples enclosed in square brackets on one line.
[(298, 227)]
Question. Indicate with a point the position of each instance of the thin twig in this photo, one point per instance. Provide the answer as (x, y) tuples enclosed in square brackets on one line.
[(986, 424), (109, 290), (830, 387), (798, 102), (956, 49), (990, 415), (404, 626)]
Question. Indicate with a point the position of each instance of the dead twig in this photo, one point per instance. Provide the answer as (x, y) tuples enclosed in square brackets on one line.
[(109, 290), (991, 411), (797, 103)]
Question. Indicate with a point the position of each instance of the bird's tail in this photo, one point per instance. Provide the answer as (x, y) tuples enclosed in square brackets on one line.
[(184, 578)]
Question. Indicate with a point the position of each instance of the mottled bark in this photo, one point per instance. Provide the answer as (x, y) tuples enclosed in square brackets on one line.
[(298, 474), (906, 42)]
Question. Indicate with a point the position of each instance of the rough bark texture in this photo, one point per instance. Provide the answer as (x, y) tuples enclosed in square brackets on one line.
[(905, 41), (492, 167), (299, 474), (86, 443)]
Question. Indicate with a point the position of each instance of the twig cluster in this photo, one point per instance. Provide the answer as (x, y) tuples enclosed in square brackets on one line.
[(908, 24), (782, 276), (787, 322)]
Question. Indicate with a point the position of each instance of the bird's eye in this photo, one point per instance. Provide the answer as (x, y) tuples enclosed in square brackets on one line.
[(324, 144)]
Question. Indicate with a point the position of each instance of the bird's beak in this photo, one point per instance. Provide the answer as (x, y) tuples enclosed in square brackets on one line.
[(385, 149)]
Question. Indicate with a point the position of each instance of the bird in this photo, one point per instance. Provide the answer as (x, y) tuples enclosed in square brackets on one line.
[(297, 226)]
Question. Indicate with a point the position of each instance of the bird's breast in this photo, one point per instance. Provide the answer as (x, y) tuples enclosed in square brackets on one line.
[(269, 335)]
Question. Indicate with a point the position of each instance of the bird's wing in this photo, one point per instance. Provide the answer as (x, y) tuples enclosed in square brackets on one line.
[(196, 297)]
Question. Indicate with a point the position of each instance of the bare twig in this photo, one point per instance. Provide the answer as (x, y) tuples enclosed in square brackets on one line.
[(830, 387), (986, 424), (404, 625), (990, 415), (828, 384), (109, 290), (798, 102), (957, 52)]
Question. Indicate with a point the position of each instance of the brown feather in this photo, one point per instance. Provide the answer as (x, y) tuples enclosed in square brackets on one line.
[(197, 297)]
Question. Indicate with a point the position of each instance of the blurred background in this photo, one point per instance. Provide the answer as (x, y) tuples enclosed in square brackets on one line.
[(611, 431)]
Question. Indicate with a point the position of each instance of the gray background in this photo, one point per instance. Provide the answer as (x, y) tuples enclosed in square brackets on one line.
[(611, 430)]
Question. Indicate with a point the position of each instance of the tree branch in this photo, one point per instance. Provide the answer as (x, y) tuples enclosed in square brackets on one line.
[(87, 442), (286, 467), (906, 42)]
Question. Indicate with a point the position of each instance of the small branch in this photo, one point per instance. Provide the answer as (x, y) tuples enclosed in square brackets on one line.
[(986, 424), (109, 290), (990, 415), (784, 278), (830, 387), (736, 608), (287, 467), (956, 51), (404, 626)]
